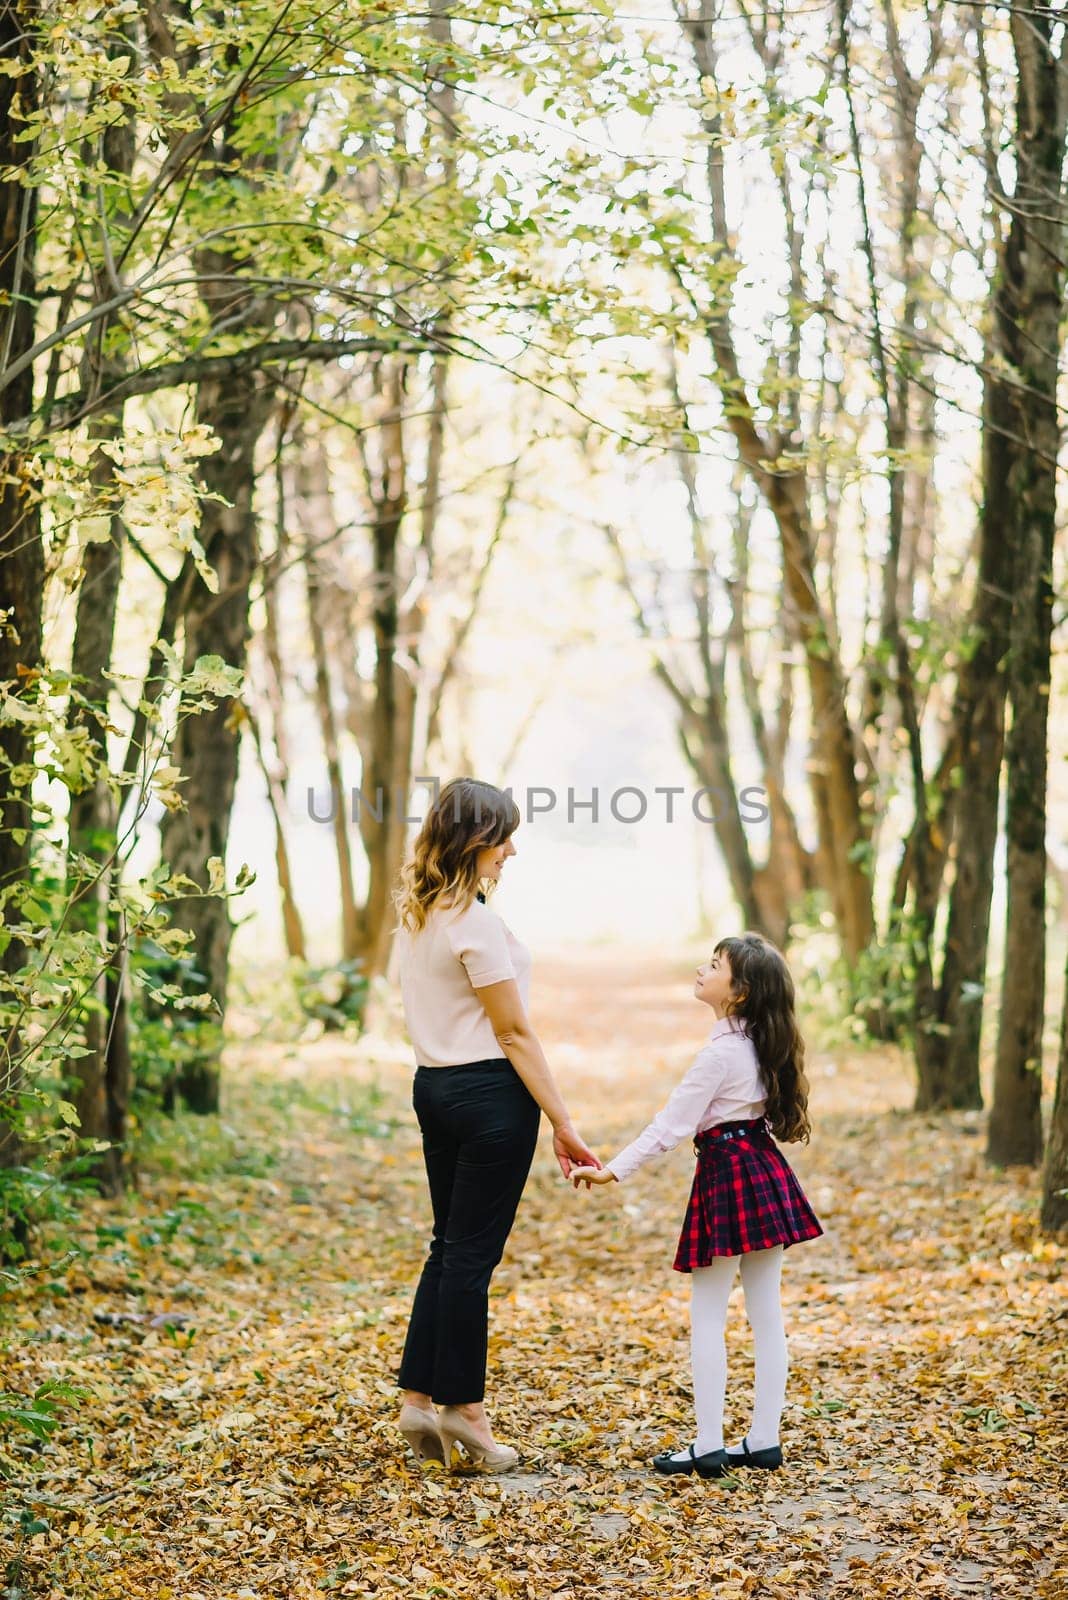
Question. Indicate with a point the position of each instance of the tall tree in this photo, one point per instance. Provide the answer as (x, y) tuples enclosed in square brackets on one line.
[(273, 752), (386, 751), (21, 550), (894, 385), (970, 769), (312, 485), (1015, 1129), (216, 617), (843, 827), (216, 623), (102, 1076), (976, 743)]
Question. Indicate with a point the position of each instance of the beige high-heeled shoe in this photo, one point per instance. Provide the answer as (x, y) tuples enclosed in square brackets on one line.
[(420, 1428), (455, 1429)]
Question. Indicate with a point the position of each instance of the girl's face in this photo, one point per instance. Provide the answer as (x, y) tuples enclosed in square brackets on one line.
[(714, 980), (488, 862)]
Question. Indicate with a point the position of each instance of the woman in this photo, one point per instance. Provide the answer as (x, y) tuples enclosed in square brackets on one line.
[(481, 1077)]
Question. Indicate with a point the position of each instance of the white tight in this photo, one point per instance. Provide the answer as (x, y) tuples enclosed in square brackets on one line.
[(711, 1288)]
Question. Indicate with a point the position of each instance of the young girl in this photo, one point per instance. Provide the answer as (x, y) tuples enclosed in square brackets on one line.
[(746, 1205)]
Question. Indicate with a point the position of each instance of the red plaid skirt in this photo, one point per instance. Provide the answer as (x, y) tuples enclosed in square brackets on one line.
[(745, 1196)]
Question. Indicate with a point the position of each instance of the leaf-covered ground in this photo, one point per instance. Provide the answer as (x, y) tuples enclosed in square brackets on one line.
[(251, 1452)]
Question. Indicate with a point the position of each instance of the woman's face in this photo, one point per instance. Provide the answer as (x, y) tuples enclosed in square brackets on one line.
[(713, 984), (488, 862)]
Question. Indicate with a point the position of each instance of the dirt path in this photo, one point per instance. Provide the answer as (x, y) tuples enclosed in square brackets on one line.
[(250, 1454)]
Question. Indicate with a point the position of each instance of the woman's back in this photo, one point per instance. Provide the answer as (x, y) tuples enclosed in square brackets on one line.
[(440, 966)]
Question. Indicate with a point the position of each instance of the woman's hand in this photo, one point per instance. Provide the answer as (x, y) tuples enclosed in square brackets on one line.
[(571, 1150), (504, 1007), (588, 1175)]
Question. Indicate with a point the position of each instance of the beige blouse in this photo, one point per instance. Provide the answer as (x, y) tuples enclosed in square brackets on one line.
[(441, 966)]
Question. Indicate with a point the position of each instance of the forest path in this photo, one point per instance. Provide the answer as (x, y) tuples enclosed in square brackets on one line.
[(250, 1454)]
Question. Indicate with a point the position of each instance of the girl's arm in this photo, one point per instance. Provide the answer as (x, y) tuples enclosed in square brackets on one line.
[(678, 1120), (503, 1005)]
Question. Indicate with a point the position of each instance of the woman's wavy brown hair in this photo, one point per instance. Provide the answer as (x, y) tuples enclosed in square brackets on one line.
[(467, 816), (762, 994)]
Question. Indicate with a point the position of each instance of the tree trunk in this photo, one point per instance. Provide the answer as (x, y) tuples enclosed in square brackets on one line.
[(704, 743), (781, 882), (206, 747), (276, 767), (21, 553), (918, 533), (119, 1074), (979, 726), (703, 725), (975, 747), (1054, 1214), (387, 751), (313, 493), (92, 830), (273, 568), (1015, 1130), (292, 926), (92, 823), (385, 773), (843, 831), (702, 734), (895, 391)]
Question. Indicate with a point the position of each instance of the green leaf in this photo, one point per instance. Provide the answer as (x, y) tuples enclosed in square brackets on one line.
[(212, 675)]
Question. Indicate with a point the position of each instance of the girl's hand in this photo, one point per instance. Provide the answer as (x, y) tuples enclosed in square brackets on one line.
[(588, 1175), (571, 1150)]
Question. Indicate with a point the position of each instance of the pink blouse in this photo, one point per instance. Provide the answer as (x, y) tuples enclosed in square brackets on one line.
[(441, 967), (723, 1085)]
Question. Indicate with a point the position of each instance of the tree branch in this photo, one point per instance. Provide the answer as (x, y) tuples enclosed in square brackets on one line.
[(74, 408)]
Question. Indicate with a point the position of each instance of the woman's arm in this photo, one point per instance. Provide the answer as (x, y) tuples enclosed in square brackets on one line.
[(504, 1007)]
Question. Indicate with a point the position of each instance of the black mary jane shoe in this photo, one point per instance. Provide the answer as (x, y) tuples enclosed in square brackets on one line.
[(768, 1459), (713, 1464)]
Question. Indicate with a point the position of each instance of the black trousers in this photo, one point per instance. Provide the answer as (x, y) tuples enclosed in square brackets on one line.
[(480, 1125)]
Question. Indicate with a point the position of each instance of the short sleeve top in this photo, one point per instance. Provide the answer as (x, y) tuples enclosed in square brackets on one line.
[(441, 967)]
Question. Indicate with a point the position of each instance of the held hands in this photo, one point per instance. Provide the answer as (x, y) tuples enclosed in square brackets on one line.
[(572, 1151), (589, 1175)]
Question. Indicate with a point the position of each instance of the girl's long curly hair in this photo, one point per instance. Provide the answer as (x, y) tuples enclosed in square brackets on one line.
[(467, 816), (762, 994)]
